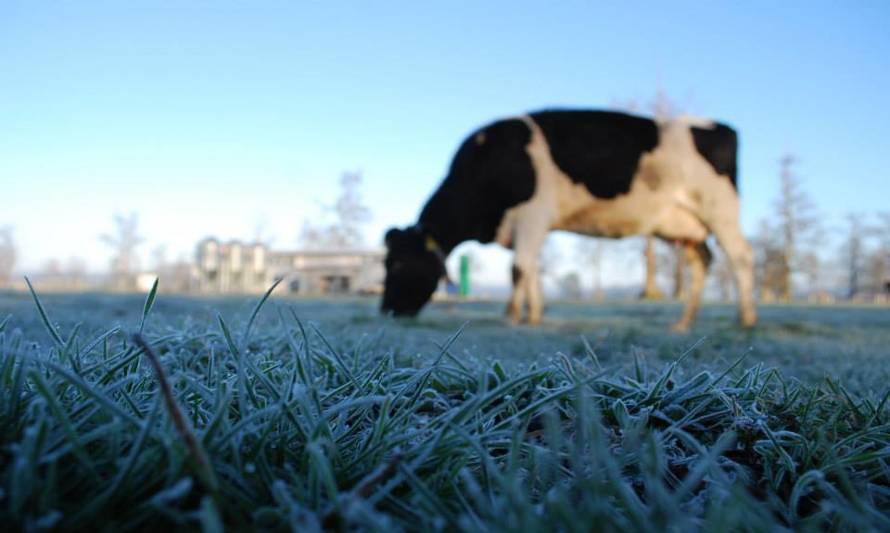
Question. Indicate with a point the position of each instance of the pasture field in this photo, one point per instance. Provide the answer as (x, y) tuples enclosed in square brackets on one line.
[(321, 415)]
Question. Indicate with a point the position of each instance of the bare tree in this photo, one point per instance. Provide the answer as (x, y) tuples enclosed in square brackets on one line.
[(723, 275), (797, 226), (261, 233), (570, 286), (679, 272), (350, 214), (853, 253), (875, 273), (812, 267), (51, 274), (176, 276), (769, 263), (75, 273), (590, 254), (159, 258), (124, 242), (8, 255), (549, 260), (662, 106), (882, 267)]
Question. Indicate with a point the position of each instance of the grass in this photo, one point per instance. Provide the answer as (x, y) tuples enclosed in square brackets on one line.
[(118, 413)]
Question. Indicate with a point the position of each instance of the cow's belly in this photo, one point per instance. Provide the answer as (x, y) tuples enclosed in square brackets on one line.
[(635, 213), (628, 215), (604, 218)]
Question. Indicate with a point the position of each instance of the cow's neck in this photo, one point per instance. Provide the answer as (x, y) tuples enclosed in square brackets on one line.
[(444, 220), (443, 237)]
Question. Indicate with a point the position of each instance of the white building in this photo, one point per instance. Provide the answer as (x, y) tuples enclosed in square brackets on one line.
[(236, 267)]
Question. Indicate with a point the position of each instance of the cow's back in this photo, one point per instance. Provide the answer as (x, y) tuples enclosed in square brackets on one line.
[(598, 149)]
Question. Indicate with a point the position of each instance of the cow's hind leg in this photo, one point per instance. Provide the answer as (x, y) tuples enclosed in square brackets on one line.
[(722, 219), (741, 258), (698, 258)]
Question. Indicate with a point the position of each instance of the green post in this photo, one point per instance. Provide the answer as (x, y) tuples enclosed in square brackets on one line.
[(464, 275)]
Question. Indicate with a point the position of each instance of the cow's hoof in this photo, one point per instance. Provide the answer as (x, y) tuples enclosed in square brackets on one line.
[(748, 323), (748, 319), (680, 327)]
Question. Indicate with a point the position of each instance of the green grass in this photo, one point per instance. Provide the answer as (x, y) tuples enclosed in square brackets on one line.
[(310, 415)]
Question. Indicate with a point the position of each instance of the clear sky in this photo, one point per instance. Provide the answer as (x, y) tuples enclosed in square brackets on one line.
[(214, 117)]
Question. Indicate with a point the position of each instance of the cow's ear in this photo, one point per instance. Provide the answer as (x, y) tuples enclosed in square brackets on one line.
[(391, 236)]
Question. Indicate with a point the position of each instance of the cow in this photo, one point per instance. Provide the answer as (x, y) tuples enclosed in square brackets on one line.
[(598, 173)]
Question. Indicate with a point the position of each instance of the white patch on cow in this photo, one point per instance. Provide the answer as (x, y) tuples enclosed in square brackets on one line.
[(698, 122), (675, 194)]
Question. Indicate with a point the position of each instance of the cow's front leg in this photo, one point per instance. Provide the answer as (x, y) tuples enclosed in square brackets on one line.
[(517, 296), (530, 235), (698, 257), (535, 297)]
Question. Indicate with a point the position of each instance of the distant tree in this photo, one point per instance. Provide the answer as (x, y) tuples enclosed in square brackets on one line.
[(350, 214), (769, 263), (590, 257), (722, 275), (853, 253), (124, 241), (876, 272), (75, 273), (549, 260), (176, 276), (261, 233), (570, 286), (662, 106), (882, 260), (679, 272), (797, 225), (52, 269), (787, 246), (8, 255), (159, 258), (811, 266)]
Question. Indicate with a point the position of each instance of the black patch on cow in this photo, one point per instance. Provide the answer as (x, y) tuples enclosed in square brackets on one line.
[(485, 180), (600, 149), (516, 274), (719, 146)]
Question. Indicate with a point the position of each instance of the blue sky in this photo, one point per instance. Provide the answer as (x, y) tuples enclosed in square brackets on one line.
[(214, 117)]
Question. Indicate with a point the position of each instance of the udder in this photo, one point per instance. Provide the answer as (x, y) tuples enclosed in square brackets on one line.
[(676, 223)]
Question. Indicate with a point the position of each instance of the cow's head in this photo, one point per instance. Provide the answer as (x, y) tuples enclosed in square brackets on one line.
[(414, 265)]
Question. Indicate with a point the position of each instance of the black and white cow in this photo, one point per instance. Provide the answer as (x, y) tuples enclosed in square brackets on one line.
[(597, 173)]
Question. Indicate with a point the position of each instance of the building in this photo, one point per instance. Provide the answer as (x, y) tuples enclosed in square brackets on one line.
[(236, 267)]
